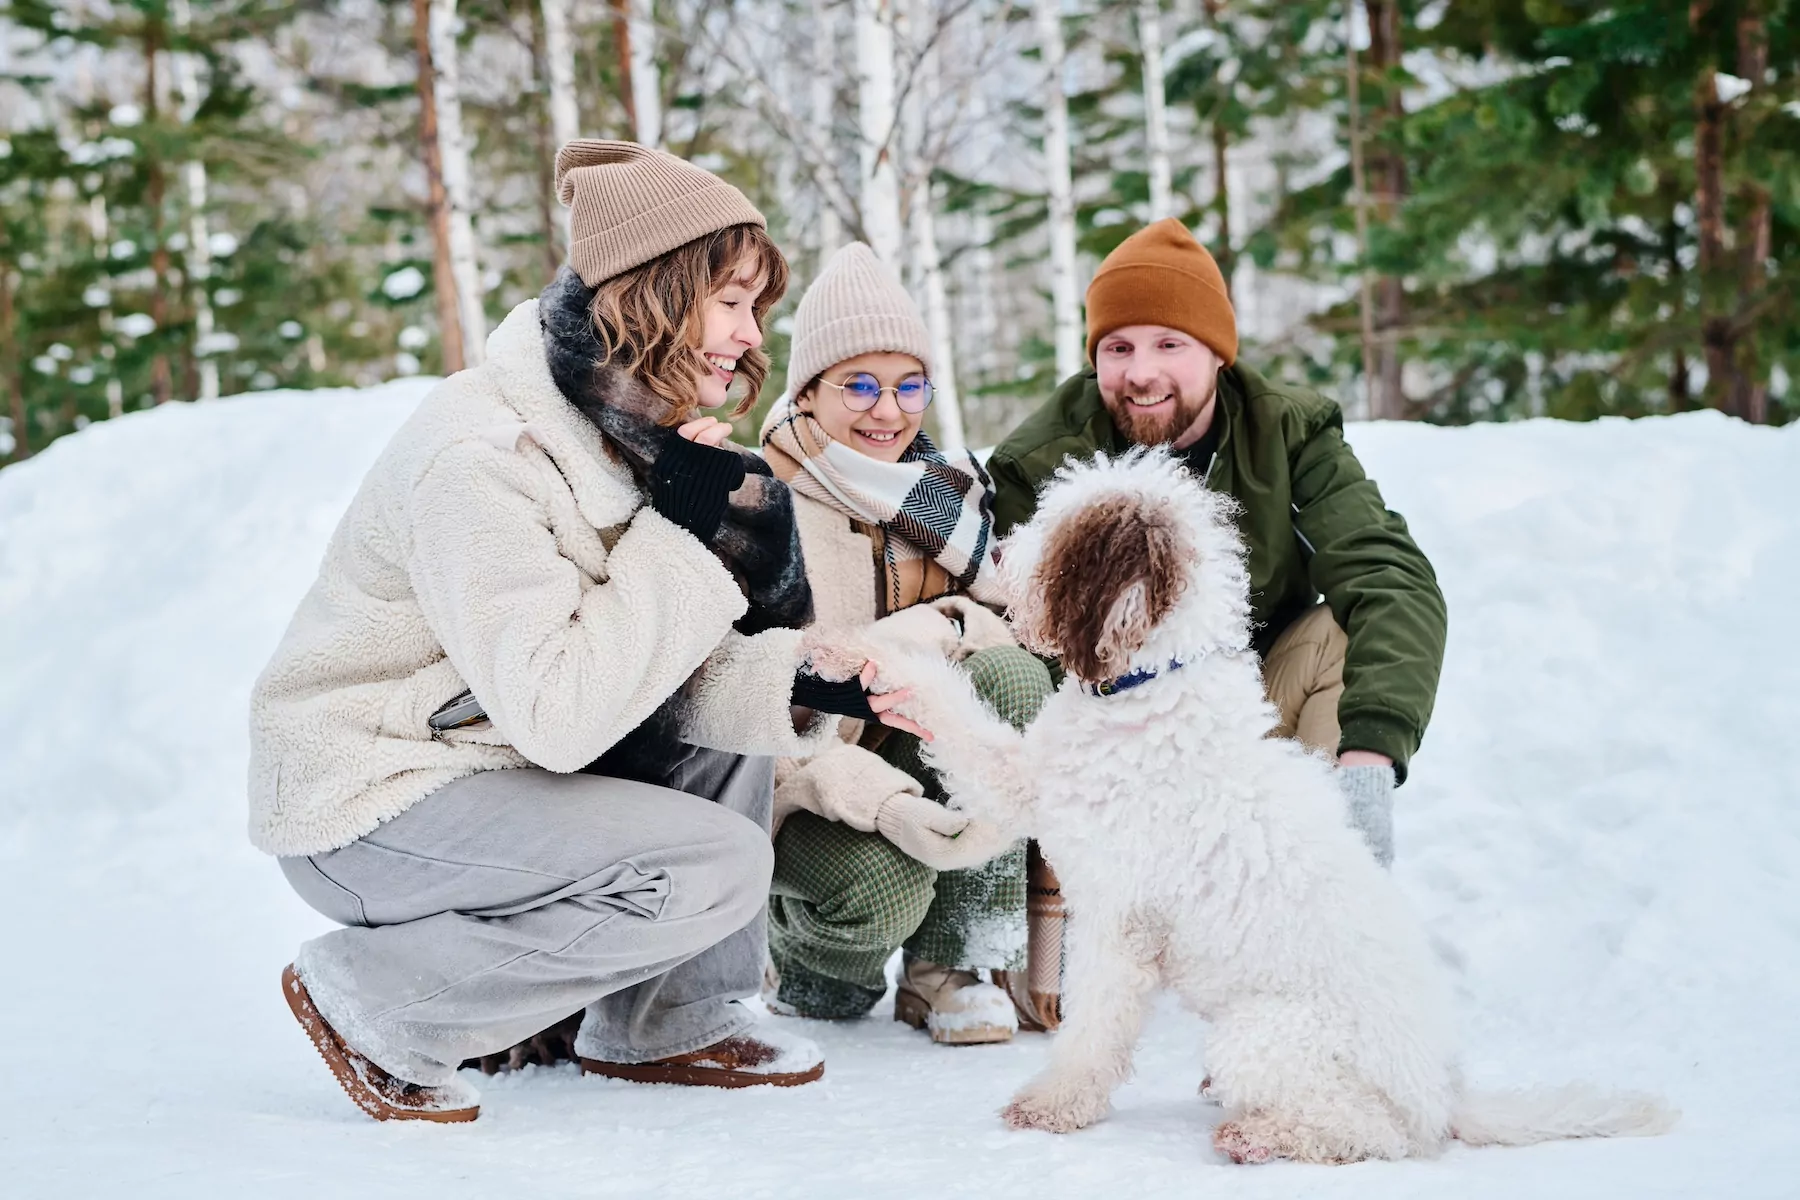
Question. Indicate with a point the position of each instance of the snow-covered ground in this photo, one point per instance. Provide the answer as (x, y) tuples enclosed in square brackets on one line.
[(1603, 833)]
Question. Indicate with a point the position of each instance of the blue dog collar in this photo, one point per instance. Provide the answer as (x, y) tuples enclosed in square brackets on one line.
[(1124, 683)]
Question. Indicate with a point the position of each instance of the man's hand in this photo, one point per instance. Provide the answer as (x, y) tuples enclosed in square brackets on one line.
[(1364, 758)]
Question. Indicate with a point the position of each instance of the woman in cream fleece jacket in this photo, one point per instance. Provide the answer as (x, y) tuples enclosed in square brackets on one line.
[(503, 545)]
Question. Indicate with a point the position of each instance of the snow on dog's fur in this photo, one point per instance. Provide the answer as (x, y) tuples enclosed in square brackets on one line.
[(1201, 855)]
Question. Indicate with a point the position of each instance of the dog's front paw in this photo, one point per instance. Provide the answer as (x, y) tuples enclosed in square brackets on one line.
[(1054, 1110), (834, 655), (1241, 1145)]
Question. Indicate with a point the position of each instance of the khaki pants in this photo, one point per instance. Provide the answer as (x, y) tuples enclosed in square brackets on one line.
[(1304, 677)]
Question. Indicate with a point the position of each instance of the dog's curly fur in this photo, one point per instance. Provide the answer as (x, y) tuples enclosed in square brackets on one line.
[(1201, 855)]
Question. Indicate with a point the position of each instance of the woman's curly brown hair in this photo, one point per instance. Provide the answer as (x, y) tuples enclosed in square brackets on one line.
[(651, 320)]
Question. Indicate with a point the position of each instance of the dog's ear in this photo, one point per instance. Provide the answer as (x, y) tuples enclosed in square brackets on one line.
[(1126, 627), (1111, 571)]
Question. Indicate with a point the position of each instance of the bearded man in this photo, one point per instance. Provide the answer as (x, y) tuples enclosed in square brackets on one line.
[(1350, 619)]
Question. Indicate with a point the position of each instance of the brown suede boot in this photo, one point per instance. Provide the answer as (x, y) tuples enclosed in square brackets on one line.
[(955, 1007), (384, 1097), (1037, 990), (756, 1057), (545, 1048)]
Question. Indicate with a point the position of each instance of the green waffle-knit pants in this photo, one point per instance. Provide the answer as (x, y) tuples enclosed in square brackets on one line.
[(843, 901)]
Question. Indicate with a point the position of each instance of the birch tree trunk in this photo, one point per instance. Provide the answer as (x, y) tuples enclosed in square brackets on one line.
[(880, 190), (1673, 238), (822, 113), (1156, 117), (1360, 203), (646, 87), (453, 153), (1709, 211), (11, 369), (621, 10), (923, 213), (1065, 303), (988, 340), (161, 381), (559, 69), (550, 218), (1750, 389), (99, 232), (946, 399), (1222, 249), (443, 277), (199, 258), (1388, 170)]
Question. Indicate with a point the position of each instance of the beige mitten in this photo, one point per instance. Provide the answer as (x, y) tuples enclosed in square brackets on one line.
[(982, 629), (937, 836), (846, 784)]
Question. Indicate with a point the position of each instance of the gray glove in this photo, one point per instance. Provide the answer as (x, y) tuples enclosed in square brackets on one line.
[(1369, 792)]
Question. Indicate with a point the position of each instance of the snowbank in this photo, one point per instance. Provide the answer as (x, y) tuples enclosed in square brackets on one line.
[(1603, 832)]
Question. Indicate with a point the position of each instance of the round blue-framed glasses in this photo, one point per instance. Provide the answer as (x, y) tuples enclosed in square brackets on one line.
[(862, 391)]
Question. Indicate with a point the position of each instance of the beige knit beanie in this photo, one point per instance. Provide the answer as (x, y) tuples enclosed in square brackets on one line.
[(629, 203), (855, 306)]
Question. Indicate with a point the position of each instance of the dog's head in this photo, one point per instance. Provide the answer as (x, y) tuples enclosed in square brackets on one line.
[(1129, 562)]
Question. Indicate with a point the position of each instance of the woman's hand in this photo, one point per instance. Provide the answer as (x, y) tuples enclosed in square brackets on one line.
[(708, 431), (884, 703), (693, 476)]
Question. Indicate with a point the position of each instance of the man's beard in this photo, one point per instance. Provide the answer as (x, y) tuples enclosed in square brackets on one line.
[(1158, 429)]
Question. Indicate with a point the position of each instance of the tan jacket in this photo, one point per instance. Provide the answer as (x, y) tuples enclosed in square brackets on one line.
[(497, 545), (848, 783)]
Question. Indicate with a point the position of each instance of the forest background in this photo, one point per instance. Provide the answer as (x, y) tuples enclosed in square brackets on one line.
[(1445, 211)]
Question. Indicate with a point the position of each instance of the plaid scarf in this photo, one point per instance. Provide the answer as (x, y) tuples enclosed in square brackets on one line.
[(931, 507)]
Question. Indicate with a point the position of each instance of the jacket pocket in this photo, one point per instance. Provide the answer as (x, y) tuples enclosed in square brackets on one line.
[(406, 711)]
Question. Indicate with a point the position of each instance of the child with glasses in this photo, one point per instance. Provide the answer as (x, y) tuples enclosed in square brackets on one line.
[(867, 858)]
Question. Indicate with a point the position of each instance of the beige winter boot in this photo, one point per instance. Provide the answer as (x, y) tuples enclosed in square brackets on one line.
[(956, 1007)]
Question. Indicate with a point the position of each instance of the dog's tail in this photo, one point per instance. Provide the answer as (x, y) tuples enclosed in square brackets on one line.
[(1524, 1116)]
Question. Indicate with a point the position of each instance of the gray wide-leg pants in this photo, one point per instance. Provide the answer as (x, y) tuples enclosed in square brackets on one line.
[(507, 900)]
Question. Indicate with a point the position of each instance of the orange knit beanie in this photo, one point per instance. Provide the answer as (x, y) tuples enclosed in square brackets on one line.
[(1161, 276)]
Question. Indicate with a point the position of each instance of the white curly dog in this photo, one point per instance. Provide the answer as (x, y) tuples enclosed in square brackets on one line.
[(1199, 854)]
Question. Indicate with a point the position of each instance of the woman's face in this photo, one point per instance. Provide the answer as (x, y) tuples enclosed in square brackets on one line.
[(730, 333), (883, 432)]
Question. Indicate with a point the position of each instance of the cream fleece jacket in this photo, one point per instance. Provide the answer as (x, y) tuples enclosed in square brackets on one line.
[(497, 545)]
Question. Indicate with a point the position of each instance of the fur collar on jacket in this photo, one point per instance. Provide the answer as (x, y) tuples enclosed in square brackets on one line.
[(757, 540)]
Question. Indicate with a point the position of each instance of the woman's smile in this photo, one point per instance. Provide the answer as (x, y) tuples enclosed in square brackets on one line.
[(724, 367), (883, 439)]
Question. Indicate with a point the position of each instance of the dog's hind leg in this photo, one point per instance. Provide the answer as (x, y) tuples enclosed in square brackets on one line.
[(1288, 1093), (1111, 974)]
